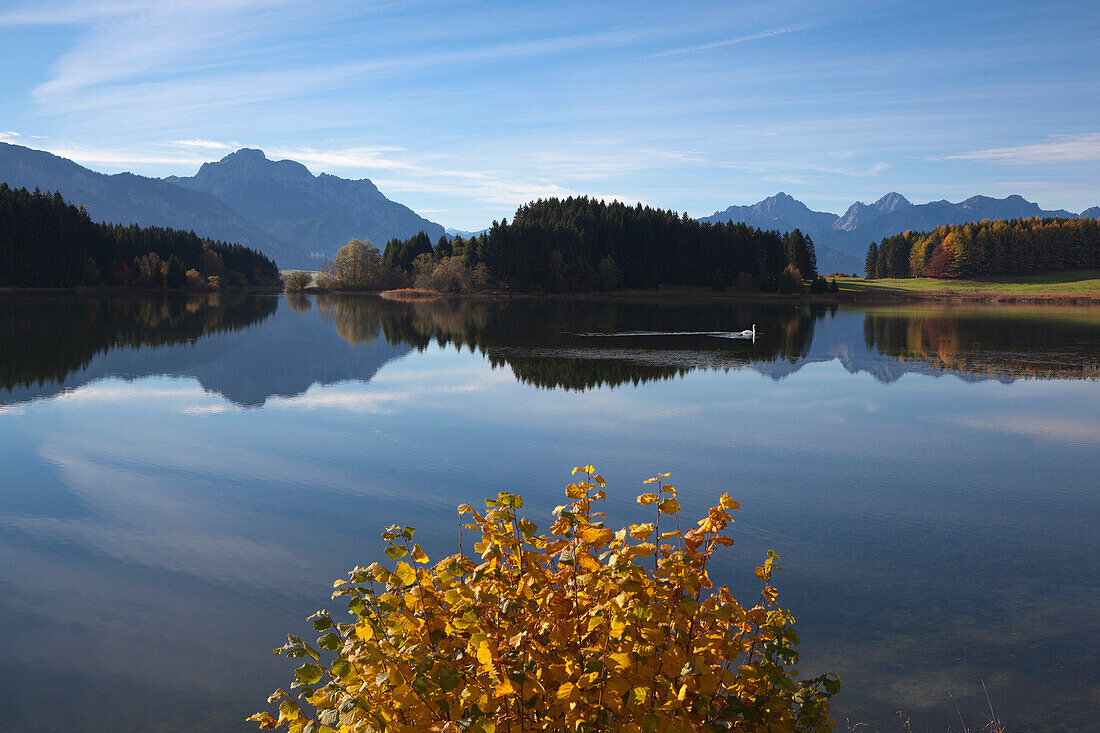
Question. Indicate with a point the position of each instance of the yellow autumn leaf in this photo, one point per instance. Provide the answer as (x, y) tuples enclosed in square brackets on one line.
[(418, 554), (622, 660), (727, 503), (641, 531), (364, 631), (504, 688), (595, 535), (405, 573), (669, 505), (587, 562), (646, 499)]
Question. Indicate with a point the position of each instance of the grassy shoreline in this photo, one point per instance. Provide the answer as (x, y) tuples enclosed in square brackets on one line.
[(1060, 287)]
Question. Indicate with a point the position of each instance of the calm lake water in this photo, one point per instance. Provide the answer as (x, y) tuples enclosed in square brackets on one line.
[(183, 477)]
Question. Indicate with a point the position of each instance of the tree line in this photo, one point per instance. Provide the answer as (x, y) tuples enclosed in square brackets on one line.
[(47, 242), (585, 244), (988, 248)]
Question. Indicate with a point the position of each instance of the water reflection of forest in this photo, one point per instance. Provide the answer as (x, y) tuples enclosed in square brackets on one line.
[(1002, 343), (550, 343), (46, 340)]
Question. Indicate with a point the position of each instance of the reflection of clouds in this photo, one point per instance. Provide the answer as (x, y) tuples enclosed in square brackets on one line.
[(146, 519), (207, 409), (191, 457), (113, 390), (354, 397), (1062, 429), (193, 550), (11, 410)]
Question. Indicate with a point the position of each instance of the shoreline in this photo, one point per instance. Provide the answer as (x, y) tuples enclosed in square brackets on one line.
[(101, 290), (844, 297), (841, 298)]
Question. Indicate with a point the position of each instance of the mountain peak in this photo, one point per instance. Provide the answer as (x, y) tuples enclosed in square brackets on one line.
[(892, 202), (244, 154), (313, 214)]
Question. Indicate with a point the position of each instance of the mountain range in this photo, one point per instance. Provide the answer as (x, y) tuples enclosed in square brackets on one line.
[(278, 207), (300, 219), (841, 240)]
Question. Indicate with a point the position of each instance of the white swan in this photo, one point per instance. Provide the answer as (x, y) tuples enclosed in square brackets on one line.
[(749, 334)]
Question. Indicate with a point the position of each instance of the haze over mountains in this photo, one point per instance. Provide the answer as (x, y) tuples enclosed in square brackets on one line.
[(300, 219)]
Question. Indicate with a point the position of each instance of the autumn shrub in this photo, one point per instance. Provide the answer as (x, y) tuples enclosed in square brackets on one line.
[(580, 628), (451, 275), (297, 280)]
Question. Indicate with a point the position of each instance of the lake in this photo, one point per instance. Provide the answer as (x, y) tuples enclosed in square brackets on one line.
[(184, 476)]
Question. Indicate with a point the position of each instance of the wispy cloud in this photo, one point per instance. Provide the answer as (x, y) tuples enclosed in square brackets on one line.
[(1080, 148), (121, 158), (205, 144), (733, 41)]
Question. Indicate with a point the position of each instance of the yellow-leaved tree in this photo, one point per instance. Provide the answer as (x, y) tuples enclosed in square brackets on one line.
[(580, 628)]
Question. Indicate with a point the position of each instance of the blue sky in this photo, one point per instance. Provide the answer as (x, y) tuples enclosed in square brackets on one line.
[(465, 110)]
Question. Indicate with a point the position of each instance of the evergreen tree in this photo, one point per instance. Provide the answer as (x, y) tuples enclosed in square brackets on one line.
[(175, 275), (871, 262), (799, 250)]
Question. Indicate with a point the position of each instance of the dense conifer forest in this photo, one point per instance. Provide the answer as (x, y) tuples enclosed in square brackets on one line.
[(584, 244), (46, 242), (988, 248)]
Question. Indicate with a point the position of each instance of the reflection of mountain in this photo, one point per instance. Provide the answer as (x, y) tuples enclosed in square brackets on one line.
[(245, 350), (248, 350)]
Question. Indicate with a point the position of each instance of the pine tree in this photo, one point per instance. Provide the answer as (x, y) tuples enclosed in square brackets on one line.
[(871, 262)]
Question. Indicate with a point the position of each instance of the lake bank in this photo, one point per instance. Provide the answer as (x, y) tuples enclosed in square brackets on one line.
[(1068, 287), (851, 295)]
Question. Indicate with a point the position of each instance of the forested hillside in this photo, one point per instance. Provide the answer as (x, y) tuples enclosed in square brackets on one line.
[(584, 244), (988, 248), (46, 242)]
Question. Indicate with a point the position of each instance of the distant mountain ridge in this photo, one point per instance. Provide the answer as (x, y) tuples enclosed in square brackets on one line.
[(125, 198), (300, 219), (842, 240), (317, 213), (278, 207)]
